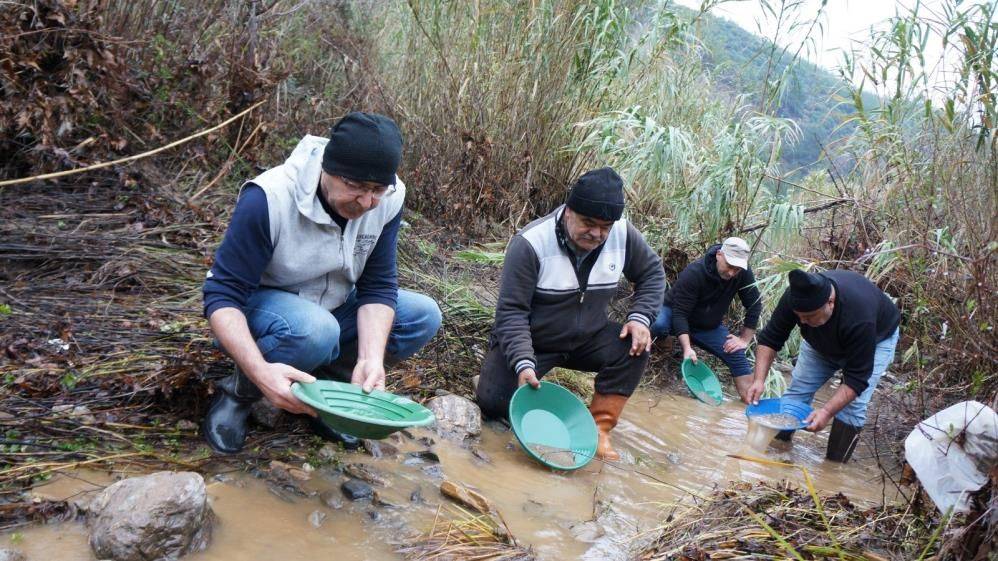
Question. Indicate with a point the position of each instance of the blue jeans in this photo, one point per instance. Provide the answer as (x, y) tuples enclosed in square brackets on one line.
[(294, 331), (813, 370), (711, 340)]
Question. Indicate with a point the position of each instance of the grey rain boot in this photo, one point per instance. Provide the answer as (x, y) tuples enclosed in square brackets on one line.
[(842, 441), (224, 426)]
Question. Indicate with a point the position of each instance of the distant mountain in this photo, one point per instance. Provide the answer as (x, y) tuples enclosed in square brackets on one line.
[(814, 97)]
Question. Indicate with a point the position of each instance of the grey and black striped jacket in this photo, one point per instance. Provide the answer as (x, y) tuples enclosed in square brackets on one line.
[(547, 304)]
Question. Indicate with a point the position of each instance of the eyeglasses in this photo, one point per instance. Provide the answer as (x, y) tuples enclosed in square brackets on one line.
[(358, 189)]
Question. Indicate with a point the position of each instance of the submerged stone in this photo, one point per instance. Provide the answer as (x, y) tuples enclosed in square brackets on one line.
[(367, 473), (356, 490), (316, 518), (11, 555), (331, 499), (421, 457)]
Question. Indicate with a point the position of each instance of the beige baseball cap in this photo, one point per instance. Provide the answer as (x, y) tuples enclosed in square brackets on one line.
[(736, 252)]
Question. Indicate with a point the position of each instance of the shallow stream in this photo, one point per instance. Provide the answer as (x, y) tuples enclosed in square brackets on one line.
[(680, 445)]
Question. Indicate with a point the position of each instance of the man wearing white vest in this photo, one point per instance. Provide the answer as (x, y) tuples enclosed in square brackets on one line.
[(560, 274), (306, 278)]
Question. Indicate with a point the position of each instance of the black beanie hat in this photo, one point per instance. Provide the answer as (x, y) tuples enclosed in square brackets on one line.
[(598, 194), (808, 291), (364, 147)]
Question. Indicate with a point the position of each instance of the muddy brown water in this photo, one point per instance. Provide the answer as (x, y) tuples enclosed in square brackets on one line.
[(675, 439)]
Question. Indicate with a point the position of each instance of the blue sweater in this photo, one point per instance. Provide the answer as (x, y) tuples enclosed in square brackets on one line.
[(246, 251)]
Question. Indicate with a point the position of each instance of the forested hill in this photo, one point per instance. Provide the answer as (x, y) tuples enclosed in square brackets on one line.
[(814, 98)]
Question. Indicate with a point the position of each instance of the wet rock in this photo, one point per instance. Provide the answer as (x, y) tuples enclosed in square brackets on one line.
[(467, 497), (281, 471), (417, 496), (330, 499), (434, 471), (497, 425), (406, 434), (378, 500), (159, 516), (316, 518), (11, 555), (367, 473), (329, 451), (356, 490), (265, 413), (481, 455), (457, 417), (379, 449), (280, 492), (426, 441), (374, 515), (588, 532), (535, 508), (421, 457)]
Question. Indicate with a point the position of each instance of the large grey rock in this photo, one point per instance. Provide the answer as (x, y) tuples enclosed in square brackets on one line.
[(457, 417), (161, 516)]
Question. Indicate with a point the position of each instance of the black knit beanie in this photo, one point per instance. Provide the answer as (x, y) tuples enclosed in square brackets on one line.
[(364, 147), (598, 194), (808, 291)]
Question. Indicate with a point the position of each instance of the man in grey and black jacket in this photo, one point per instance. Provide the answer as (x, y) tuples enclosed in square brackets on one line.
[(560, 274), (306, 280)]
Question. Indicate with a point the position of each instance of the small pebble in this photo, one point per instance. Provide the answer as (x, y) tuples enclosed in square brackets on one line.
[(316, 518), (421, 457), (481, 455), (434, 471)]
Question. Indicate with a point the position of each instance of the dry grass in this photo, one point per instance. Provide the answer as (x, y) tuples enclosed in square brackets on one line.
[(462, 535)]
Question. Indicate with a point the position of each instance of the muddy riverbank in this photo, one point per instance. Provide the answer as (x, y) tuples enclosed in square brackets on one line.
[(680, 446)]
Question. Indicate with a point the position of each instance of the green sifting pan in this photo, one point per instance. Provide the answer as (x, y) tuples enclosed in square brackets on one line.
[(347, 409), (700, 379), (553, 426)]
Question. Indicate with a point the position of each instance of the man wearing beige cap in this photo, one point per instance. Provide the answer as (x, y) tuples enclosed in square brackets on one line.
[(696, 303)]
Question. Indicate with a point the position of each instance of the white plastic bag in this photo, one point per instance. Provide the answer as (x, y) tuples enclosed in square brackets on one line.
[(953, 451)]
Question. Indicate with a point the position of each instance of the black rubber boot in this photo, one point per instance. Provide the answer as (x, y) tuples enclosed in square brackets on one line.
[(842, 441), (224, 426), (327, 432)]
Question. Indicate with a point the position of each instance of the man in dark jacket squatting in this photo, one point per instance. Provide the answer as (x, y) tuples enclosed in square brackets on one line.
[(560, 274), (847, 324), (696, 303)]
